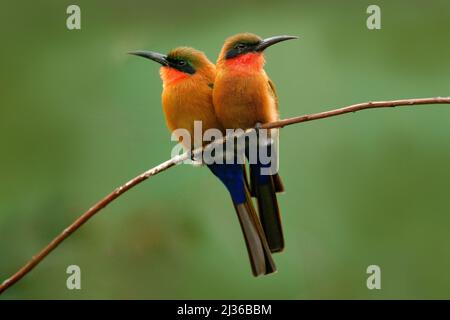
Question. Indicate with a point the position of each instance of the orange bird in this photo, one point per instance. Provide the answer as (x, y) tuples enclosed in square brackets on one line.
[(245, 97), (188, 78)]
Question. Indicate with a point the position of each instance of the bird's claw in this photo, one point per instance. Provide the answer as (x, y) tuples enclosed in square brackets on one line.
[(192, 156)]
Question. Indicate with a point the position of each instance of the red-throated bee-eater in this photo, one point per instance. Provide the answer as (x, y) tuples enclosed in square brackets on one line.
[(244, 97), (188, 78)]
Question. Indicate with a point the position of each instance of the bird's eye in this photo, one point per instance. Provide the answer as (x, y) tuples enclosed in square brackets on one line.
[(240, 46), (181, 62)]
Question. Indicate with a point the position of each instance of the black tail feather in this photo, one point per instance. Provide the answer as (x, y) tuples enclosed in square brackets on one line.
[(269, 211)]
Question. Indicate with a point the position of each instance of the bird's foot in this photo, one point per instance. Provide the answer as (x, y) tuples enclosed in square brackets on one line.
[(195, 158)]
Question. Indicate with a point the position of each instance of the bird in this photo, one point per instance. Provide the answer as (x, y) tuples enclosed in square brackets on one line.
[(188, 79), (244, 97)]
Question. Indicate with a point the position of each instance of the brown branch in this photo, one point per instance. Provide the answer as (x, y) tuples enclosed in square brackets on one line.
[(354, 108), (185, 156)]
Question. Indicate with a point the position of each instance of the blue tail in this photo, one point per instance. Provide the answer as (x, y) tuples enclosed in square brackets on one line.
[(232, 176)]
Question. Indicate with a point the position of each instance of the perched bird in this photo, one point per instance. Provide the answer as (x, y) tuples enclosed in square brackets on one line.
[(244, 97), (188, 78)]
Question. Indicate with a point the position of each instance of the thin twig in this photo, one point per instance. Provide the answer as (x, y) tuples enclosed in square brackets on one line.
[(185, 156)]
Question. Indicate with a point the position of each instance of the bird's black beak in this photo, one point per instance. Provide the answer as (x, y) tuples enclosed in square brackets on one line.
[(265, 43), (155, 56)]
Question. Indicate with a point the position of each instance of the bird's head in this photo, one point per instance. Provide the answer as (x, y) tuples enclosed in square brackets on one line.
[(246, 50), (180, 64)]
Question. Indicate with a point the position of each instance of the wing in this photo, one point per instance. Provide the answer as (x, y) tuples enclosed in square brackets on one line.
[(279, 187), (273, 92)]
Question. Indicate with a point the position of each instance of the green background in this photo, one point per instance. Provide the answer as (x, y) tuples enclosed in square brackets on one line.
[(78, 117)]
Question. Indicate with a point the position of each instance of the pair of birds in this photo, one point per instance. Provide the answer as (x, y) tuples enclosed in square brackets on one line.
[(236, 93)]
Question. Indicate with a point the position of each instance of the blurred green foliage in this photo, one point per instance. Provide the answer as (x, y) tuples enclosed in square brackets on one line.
[(78, 117)]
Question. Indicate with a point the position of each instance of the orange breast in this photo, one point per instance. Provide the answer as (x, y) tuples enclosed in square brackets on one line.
[(188, 101), (243, 99)]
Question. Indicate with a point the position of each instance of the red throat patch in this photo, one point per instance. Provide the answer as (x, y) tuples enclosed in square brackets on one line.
[(253, 61), (170, 75)]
